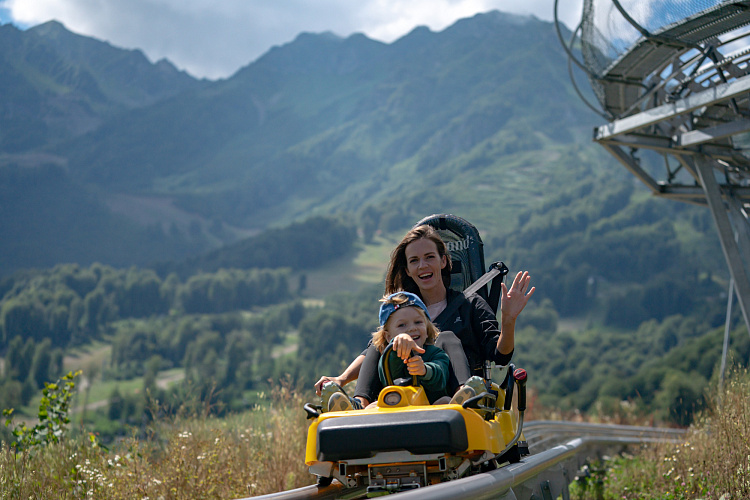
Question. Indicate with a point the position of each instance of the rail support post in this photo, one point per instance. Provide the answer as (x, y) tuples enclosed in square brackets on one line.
[(732, 251)]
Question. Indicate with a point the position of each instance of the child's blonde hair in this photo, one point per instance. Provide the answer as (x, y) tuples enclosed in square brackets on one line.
[(380, 336)]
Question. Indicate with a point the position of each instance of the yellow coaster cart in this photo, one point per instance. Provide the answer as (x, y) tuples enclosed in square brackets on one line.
[(406, 443)]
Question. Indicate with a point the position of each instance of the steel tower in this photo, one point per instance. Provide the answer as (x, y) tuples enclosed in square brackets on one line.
[(672, 79)]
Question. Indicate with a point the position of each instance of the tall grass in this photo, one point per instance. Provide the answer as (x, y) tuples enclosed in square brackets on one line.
[(713, 462), (258, 452), (262, 451)]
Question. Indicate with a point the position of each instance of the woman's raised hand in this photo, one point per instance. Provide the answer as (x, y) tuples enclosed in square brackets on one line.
[(514, 300)]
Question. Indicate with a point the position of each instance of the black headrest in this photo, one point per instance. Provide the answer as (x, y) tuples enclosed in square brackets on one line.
[(464, 245)]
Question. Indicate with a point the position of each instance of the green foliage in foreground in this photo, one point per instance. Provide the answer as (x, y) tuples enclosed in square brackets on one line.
[(187, 455), (190, 455), (53, 416), (713, 462)]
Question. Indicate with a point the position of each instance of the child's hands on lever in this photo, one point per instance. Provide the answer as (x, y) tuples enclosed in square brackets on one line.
[(403, 345)]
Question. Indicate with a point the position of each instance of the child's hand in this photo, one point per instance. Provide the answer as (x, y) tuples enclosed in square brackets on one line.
[(415, 365), (403, 344)]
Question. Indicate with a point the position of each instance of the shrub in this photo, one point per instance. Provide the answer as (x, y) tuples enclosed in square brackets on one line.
[(53, 415)]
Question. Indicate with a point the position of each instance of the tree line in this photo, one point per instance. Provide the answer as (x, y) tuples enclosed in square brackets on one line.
[(70, 305), (221, 325)]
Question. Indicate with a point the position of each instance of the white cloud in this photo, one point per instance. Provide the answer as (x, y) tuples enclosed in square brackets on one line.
[(214, 39)]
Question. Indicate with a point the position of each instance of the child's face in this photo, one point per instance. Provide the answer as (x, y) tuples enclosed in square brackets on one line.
[(409, 320)]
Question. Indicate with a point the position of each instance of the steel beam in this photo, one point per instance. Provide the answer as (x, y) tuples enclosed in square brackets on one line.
[(629, 163), (713, 95), (689, 166), (666, 145), (696, 137), (741, 225), (726, 235)]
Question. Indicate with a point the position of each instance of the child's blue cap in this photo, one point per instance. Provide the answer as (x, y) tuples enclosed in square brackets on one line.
[(386, 309)]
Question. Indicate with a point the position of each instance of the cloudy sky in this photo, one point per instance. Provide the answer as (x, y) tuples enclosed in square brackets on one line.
[(214, 38)]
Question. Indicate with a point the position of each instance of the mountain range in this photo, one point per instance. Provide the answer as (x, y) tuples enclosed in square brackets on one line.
[(105, 156)]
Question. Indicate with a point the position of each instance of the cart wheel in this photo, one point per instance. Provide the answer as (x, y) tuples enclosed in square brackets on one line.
[(324, 481), (488, 466), (512, 456)]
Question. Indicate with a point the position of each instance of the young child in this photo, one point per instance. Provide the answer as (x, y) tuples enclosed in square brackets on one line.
[(405, 322)]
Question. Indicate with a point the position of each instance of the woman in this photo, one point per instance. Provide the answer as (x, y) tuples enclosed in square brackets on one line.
[(420, 264)]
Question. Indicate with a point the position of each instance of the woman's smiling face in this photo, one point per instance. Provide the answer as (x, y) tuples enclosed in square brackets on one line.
[(424, 263), (409, 320)]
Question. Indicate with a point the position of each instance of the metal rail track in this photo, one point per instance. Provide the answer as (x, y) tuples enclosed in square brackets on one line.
[(544, 475)]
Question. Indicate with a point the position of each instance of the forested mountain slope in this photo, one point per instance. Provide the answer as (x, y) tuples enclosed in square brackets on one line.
[(56, 84), (479, 119)]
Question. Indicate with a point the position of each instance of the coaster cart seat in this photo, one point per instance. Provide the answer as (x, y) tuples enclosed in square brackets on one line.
[(406, 443)]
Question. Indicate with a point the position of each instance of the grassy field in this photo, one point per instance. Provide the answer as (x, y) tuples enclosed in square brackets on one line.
[(194, 456), (712, 463), (350, 274), (95, 354), (188, 456)]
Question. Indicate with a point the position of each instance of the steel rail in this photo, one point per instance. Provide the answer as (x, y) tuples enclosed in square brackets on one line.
[(539, 427), (335, 490), (542, 475), (545, 434)]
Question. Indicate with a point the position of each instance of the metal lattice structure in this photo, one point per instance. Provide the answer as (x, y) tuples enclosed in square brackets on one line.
[(672, 77)]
